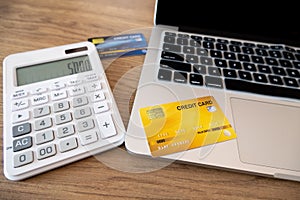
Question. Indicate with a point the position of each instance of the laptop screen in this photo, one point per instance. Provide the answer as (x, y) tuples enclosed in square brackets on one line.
[(276, 22)]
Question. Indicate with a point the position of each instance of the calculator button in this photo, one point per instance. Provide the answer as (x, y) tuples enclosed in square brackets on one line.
[(61, 106), (39, 90), (42, 123), (63, 118), (22, 143), (100, 107), (74, 82), (39, 99), (91, 87), (65, 130), (44, 137), (85, 125), (82, 112), (91, 77), (98, 96), (20, 116), (58, 95), (23, 159), (88, 137), (20, 104), (80, 101), (41, 111), (21, 129), (75, 91), (46, 151), (19, 94), (106, 125), (57, 86), (68, 144)]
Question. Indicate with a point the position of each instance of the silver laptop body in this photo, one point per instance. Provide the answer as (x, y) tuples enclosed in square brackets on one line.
[(267, 125)]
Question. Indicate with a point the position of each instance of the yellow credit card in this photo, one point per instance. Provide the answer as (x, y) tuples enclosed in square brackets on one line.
[(184, 125)]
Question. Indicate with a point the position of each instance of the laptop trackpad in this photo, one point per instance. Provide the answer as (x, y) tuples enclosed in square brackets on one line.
[(267, 134)]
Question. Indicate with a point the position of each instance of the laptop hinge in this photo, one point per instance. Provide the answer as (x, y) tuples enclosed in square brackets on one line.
[(168, 27)]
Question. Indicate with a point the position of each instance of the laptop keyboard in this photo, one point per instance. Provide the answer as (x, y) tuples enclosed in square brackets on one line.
[(268, 69)]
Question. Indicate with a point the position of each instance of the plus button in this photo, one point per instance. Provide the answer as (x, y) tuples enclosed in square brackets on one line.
[(106, 124)]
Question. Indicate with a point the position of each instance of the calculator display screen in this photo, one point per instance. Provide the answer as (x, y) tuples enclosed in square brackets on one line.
[(51, 70)]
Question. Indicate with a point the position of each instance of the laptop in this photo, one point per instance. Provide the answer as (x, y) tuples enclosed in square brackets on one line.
[(211, 58)]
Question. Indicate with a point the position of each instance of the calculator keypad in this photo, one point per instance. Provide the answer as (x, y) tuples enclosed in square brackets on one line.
[(59, 119)]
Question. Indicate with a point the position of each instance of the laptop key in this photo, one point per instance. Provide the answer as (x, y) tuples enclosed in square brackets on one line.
[(260, 78), (262, 46), (164, 74), (223, 41), (208, 45), (172, 56), (245, 75), (248, 50), (200, 69), (195, 43), (279, 71), (188, 50), (220, 63), (296, 65), (216, 54), (271, 61), (293, 73), (264, 69), (214, 71), (230, 73), (234, 48), (192, 58), (196, 79), (209, 39), (172, 47), (277, 47), (215, 82), (249, 67), (286, 63), (169, 39), (180, 77), (263, 89), (275, 54), (229, 56), (261, 52), (288, 55), (206, 61), (291, 82), (275, 80), (196, 37), (234, 42), (222, 47), (243, 57), (248, 44), (182, 41), (170, 34), (235, 65), (202, 52), (168, 64), (258, 59)]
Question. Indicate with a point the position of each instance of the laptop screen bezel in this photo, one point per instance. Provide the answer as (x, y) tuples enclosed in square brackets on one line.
[(161, 19)]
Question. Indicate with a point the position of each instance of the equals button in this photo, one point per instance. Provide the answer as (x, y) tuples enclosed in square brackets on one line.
[(88, 137)]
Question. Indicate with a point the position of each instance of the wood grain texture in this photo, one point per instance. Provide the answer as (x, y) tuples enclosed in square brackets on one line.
[(31, 24)]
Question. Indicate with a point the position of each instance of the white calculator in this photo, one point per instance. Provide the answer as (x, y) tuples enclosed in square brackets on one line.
[(57, 108)]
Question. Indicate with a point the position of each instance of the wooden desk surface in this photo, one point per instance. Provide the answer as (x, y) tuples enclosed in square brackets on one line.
[(31, 24)]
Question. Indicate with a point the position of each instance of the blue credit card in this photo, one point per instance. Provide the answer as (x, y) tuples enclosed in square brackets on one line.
[(120, 45)]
